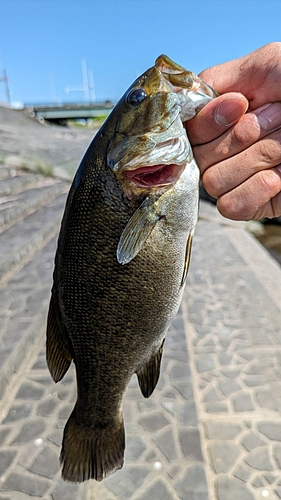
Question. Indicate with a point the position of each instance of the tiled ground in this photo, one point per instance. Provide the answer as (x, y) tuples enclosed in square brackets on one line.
[(163, 451), (212, 428), (235, 346)]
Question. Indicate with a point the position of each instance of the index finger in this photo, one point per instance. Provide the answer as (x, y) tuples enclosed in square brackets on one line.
[(216, 117), (251, 128), (256, 75)]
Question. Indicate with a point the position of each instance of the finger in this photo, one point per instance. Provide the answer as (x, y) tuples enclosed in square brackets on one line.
[(226, 175), (255, 75), (214, 119), (256, 198), (250, 128)]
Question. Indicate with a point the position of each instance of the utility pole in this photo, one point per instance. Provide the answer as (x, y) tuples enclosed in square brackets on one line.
[(88, 87), (4, 79)]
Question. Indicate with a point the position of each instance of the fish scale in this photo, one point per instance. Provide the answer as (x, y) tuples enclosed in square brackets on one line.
[(122, 259)]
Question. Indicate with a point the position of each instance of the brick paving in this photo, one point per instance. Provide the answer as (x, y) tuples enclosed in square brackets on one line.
[(212, 428), (235, 346)]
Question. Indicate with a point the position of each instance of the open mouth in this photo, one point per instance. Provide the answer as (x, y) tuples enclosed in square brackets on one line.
[(157, 175)]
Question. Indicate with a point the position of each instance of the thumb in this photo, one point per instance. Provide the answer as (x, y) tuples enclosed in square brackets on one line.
[(216, 117)]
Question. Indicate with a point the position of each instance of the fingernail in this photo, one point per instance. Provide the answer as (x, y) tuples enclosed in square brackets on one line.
[(269, 116), (229, 111)]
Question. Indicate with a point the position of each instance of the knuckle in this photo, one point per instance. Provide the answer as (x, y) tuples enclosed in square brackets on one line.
[(213, 181), (246, 131), (269, 182), (230, 206), (276, 48), (269, 152)]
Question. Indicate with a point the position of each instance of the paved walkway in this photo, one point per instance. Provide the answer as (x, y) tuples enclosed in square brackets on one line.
[(212, 428)]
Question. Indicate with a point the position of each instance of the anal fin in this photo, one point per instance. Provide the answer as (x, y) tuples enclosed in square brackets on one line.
[(57, 352), (148, 375)]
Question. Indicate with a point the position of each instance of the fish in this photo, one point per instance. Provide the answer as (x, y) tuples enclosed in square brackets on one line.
[(122, 259)]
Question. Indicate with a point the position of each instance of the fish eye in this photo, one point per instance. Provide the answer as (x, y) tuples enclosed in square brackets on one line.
[(136, 96)]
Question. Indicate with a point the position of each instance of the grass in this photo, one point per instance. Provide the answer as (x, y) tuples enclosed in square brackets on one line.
[(93, 123), (38, 165)]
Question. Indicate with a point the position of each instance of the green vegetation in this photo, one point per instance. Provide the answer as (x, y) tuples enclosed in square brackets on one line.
[(2, 158), (91, 123), (40, 166)]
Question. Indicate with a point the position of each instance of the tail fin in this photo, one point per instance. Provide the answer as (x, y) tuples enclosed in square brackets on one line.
[(89, 453)]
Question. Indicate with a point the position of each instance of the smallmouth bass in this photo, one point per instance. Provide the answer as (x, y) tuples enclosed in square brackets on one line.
[(122, 259)]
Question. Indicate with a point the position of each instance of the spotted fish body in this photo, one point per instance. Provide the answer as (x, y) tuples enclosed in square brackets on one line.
[(122, 260)]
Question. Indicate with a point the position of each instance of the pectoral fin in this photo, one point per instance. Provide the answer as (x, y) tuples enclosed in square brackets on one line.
[(137, 231), (58, 355), (148, 375), (187, 259)]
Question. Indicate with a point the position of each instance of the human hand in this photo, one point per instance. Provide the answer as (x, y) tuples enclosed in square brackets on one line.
[(241, 163)]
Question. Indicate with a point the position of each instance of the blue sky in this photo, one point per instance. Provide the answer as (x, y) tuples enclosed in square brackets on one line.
[(42, 42)]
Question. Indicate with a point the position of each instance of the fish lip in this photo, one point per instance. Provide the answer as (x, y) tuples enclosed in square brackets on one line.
[(155, 176), (199, 87), (182, 80)]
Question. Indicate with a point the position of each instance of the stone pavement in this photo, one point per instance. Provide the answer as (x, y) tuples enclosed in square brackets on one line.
[(212, 428)]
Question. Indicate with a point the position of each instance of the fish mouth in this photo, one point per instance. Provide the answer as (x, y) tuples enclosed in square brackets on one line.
[(155, 176)]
